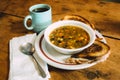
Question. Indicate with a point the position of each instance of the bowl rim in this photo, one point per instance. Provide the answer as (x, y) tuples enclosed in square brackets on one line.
[(84, 26)]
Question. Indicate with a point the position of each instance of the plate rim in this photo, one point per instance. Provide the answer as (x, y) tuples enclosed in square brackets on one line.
[(61, 66)]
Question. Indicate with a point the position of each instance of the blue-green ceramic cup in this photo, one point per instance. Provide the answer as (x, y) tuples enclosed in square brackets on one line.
[(41, 17)]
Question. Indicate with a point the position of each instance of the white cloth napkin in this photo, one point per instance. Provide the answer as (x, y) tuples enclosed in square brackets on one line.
[(22, 66)]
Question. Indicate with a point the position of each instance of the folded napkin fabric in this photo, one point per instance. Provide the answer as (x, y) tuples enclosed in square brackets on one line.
[(22, 66)]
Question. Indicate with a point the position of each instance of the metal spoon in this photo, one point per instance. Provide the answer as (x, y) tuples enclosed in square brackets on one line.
[(28, 49)]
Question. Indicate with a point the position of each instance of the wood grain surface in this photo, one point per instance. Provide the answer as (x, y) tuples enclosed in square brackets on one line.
[(104, 15)]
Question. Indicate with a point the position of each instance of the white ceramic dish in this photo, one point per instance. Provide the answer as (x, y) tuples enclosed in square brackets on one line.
[(55, 59), (58, 24)]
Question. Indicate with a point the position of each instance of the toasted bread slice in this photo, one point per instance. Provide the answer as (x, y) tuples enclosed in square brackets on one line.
[(78, 18), (97, 49), (89, 55)]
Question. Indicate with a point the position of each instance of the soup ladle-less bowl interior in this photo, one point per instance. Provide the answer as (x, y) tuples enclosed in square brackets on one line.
[(58, 24)]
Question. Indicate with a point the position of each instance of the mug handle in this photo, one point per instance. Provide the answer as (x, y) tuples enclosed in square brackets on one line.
[(25, 22)]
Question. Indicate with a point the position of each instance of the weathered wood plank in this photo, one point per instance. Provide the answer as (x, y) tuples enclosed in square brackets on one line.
[(3, 5), (104, 15)]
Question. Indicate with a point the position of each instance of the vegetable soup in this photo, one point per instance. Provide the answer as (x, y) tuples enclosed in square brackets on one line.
[(69, 37)]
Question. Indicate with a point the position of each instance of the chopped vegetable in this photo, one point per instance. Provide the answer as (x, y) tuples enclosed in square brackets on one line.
[(70, 37)]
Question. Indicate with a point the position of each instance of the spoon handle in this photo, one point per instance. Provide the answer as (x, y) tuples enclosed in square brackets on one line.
[(42, 72)]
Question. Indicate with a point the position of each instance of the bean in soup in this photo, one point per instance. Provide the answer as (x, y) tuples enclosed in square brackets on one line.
[(69, 37)]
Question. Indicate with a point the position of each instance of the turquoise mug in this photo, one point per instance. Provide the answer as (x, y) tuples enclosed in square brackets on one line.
[(40, 16)]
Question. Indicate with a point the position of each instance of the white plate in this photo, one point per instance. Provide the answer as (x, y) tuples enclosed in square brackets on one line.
[(56, 59)]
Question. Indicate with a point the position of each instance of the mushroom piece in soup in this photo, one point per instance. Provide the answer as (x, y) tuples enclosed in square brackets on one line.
[(69, 37)]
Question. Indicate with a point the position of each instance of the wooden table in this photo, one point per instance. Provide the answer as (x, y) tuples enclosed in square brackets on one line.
[(104, 15)]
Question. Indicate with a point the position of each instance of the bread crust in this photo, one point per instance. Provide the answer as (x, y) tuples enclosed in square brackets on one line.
[(78, 18)]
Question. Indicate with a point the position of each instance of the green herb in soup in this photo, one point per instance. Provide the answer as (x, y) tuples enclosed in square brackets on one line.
[(70, 37)]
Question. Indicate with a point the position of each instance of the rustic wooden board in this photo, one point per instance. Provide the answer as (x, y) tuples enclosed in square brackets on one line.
[(3, 5), (104, 15)]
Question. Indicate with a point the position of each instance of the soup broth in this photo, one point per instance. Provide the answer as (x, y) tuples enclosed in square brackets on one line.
[(69, 37)]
